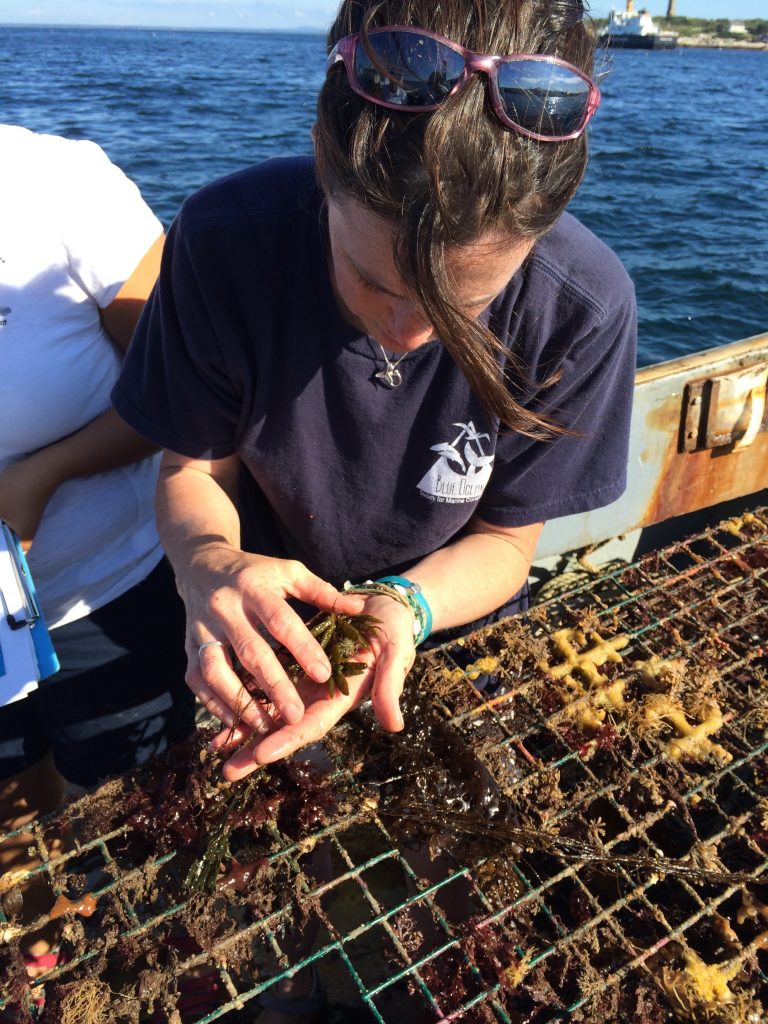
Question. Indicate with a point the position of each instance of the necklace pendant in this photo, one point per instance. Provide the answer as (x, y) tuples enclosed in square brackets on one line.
[(390, 375)]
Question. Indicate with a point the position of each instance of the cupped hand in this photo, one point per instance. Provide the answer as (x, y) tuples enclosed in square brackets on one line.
[(390, 659), (241, 600)]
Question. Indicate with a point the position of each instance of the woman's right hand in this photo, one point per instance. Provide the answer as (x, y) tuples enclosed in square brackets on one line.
[(241, 600)]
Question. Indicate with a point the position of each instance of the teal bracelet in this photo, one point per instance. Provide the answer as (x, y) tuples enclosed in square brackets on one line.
[(419, 605)]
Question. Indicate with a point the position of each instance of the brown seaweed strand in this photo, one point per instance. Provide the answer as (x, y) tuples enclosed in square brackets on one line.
[(572, 849)]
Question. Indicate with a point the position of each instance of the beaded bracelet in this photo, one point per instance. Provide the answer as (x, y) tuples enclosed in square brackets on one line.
[(408, 593)]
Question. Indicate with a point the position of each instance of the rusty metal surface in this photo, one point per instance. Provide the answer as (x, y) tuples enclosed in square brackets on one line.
[(664, 480), (725, 409)]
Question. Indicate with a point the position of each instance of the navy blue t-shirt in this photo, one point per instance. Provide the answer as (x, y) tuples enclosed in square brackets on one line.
[(242, 349)]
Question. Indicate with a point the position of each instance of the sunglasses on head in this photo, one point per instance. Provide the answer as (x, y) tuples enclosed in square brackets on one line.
[(414, 70)]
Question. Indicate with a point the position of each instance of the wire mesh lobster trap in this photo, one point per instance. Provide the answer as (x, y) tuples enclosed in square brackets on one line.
[(573, 826)]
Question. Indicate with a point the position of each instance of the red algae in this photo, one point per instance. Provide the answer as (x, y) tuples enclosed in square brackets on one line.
[(84, 906), (240, 875)]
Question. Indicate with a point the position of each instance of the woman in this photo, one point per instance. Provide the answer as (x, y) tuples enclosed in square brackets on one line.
[(398, 359), (79, 253)]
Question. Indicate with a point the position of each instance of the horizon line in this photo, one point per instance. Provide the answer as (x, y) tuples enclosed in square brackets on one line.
[(308, 29)]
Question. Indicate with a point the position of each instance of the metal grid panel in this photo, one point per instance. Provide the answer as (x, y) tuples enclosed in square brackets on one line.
[(631, 714)]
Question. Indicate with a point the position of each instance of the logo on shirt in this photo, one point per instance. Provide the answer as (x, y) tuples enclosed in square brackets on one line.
[(462, 471), (4, 311)]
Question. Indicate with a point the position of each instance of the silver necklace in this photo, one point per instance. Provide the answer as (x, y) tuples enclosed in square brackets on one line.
[(390, 374)]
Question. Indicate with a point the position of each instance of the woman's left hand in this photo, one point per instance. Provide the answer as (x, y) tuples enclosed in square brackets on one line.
[(25, 490), (390, 659)]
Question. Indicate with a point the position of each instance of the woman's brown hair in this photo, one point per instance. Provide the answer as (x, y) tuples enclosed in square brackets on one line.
[(447, 178)]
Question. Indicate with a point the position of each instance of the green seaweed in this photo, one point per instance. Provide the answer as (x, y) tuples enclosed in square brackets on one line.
[(341, 637)]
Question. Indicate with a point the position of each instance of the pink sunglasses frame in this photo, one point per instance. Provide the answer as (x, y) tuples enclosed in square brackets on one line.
[(487, 63)]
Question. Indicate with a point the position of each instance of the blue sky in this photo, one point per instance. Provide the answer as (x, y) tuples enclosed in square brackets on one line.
[(248, 14)]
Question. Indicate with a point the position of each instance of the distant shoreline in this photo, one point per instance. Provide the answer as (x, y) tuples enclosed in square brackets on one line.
[(716, 43)]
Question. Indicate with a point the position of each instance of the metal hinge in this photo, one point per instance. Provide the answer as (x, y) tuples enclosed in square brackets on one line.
[(725, 410)]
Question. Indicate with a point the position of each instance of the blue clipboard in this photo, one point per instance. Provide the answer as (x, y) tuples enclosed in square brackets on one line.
[(26, 651)]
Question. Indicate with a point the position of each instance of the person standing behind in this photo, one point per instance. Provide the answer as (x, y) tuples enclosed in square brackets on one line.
[(79, 254)]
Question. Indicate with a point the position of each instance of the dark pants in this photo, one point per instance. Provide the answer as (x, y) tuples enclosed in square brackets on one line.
[(120, 695)]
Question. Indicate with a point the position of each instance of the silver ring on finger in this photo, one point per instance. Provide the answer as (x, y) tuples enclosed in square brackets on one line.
[(208, 643)]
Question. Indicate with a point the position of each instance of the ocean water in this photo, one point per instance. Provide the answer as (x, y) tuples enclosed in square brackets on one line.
[(677, 182)]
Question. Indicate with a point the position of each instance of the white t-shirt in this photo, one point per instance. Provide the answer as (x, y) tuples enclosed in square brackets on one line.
[(72, 230)]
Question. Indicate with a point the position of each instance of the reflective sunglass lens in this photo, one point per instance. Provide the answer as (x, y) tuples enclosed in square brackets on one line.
[(543, 98), (407, 69)]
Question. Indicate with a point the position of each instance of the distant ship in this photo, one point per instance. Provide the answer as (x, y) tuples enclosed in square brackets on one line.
[(635, 31)]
